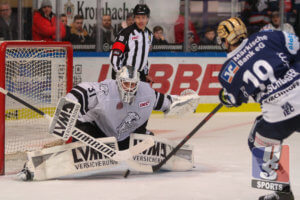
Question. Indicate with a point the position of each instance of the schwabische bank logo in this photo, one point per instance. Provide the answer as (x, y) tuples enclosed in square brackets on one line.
[(270, 167)]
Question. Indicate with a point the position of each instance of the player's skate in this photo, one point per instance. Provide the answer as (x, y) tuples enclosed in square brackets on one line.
[(25, 174), (286, 194)]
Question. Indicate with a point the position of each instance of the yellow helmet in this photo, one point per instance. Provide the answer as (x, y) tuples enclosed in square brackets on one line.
[(233, 29)]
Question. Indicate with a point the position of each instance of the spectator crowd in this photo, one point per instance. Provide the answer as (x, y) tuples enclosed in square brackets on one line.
[(256, 14)]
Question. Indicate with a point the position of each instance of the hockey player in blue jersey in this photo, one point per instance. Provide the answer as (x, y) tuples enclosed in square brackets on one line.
[(266, 67)]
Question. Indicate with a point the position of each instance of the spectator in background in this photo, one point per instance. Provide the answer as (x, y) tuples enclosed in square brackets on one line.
[(179, 28), (8, 23), (124, 24), (158, 34), (275, 24), (44, 23), (78, 35), (209, 37), (64, 20), (107, 31), (256, 14), (290, 12)]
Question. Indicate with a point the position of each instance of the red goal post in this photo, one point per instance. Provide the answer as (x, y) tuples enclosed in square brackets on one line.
[(40, 72)]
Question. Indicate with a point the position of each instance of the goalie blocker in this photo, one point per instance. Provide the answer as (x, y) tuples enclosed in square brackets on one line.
[(78, 160)]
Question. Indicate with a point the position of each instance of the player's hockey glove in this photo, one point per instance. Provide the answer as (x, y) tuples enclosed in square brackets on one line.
[(225, 99)]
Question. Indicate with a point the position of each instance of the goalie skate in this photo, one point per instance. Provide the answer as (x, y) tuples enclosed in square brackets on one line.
[(25, 174)]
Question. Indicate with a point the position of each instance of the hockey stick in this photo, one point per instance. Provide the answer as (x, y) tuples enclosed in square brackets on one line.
[(155, 168), (174, 151), (60, 128), (5, 92)]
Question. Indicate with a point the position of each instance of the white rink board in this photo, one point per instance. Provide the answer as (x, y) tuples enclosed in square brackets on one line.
[(170, 74), (223, 168)]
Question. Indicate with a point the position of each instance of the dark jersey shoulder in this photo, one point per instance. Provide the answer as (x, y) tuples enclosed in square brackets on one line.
[(273, 36), (127, 31), (124, 34)]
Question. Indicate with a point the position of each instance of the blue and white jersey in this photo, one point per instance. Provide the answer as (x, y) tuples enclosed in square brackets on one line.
[(266, 66)]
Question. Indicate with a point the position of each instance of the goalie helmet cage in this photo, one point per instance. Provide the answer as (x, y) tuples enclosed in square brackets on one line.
[(40, 73)]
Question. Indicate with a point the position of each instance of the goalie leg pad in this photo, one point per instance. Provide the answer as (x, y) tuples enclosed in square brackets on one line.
[(183, 160), (76, 159), (69, 160)]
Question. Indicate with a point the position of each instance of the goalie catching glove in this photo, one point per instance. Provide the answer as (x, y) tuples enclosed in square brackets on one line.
[(187, 102)]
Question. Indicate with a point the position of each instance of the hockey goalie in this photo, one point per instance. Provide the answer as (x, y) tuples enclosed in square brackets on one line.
[(106, 124)]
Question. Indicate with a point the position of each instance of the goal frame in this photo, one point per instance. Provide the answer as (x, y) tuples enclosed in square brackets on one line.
[(19, 44)]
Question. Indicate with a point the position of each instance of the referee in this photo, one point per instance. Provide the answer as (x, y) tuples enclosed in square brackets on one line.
[(132, 44)]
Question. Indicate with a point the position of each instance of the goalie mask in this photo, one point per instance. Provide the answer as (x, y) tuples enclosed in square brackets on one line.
[(128, 82), (233, 30)]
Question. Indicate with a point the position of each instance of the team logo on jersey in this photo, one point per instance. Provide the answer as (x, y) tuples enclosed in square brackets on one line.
[(287, 109), (230, 71), (144, 104), (270, 167), (128, 123), (103, 89), (135, 37)]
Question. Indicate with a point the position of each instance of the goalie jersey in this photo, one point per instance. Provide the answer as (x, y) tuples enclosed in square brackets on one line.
[(101, 104), (265, 66)]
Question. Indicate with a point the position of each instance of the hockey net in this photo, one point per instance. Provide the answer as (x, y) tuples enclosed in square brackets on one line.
[(39, 73)]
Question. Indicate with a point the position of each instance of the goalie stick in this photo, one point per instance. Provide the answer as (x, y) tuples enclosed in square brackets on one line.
[(124, 155), (5, 92), (157, 167)]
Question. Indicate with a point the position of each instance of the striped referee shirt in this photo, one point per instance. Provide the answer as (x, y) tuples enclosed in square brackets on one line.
[(131, 48)]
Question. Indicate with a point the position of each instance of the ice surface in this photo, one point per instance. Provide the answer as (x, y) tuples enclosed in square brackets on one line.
[(222, 159)]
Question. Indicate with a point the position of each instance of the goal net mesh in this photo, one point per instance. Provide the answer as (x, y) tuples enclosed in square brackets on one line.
[(38, 76)]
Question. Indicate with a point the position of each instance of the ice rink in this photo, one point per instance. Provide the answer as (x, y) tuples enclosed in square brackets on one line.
[(222, 168)]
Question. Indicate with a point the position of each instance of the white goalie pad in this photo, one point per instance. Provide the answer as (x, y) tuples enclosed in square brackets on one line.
[(70, 159), (187, 102), (183, 160), (78, 160)]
